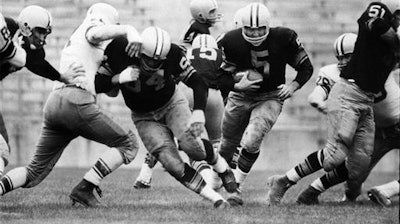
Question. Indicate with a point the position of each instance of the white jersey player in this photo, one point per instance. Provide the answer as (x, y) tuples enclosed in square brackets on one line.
[(88, 42), (71, 111)]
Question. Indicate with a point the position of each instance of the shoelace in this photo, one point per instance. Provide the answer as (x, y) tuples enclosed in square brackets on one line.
[(99, 191)]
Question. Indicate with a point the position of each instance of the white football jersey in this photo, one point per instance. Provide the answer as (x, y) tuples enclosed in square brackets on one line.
[(327, 77), (387, 105), (80, 50)]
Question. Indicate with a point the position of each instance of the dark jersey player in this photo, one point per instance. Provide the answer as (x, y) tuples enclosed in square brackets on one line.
[(32, 27), (250, 115), (205, 15)]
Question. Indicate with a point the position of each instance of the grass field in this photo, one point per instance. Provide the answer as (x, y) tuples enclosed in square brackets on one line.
[(169, 202)]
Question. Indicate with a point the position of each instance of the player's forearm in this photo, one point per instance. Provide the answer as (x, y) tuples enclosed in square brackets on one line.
[(200, 91), (98, 34), (304, 72)]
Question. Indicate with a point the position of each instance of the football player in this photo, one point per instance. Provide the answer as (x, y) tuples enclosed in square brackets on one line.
[(250, 114), (161, 112), (353, 94), (386, 115), (204, 15), (71, 111), (21, 45), (206, 58), (16, 56)]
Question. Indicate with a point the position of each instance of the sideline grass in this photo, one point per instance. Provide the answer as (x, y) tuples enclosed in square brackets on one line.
[(169, 202)]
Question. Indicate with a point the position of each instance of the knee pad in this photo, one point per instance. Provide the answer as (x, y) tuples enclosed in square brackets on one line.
[(333, 157), (129, 147), (192, 146)]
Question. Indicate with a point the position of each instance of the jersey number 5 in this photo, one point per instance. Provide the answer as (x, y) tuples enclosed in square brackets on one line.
[(259, 60), (205, 53)]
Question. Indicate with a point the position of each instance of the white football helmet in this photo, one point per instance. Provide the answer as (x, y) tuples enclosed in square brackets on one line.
[(205, 11), (344, 44), (155, 48), (105, 12), (204, 40), (393, 5), (34, 16), (255, 15), (237, 18), (343, 48)]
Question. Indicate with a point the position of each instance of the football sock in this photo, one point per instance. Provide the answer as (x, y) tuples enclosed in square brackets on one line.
[(311, 164), (204, 169), (192, 179), (214, 159), (390, 189), (107, 163), (335, 176), (246, 160), (240, 176), (234, 161), (14, 179), (317, 184), (145, 173)]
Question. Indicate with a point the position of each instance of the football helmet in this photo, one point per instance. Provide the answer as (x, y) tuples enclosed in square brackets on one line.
[(205, 11), (155, 48), (393, 5), (237, 18), (344, 44), (105, 11), (204, 40), (344, 47), (34, 16), (256, 23)]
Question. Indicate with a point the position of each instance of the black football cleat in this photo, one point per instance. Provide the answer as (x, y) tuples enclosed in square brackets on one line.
[(228, 181), (83, 194)]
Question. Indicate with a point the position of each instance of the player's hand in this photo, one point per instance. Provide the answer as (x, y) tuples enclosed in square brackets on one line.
[(245, 85), (287, 91), (196, 123), (134, 42), (74, 74), (130, 74)]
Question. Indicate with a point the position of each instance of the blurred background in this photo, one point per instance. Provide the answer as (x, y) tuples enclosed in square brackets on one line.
[(299, 131)]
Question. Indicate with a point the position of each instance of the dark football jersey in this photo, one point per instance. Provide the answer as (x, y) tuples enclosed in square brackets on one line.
[(195, 29), (373, 58), (270, 58), (206, 61), (150, 91), (35, 58)]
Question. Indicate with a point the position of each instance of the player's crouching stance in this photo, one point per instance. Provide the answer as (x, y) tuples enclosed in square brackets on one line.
[(160, 111), (71, 111)]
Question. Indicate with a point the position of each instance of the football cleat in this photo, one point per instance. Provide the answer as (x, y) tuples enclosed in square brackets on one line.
[(228, 180), (235, 198), (378, 197), (221, 204), (83, 194), (309, 196), (278, 185), (140, 184)]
